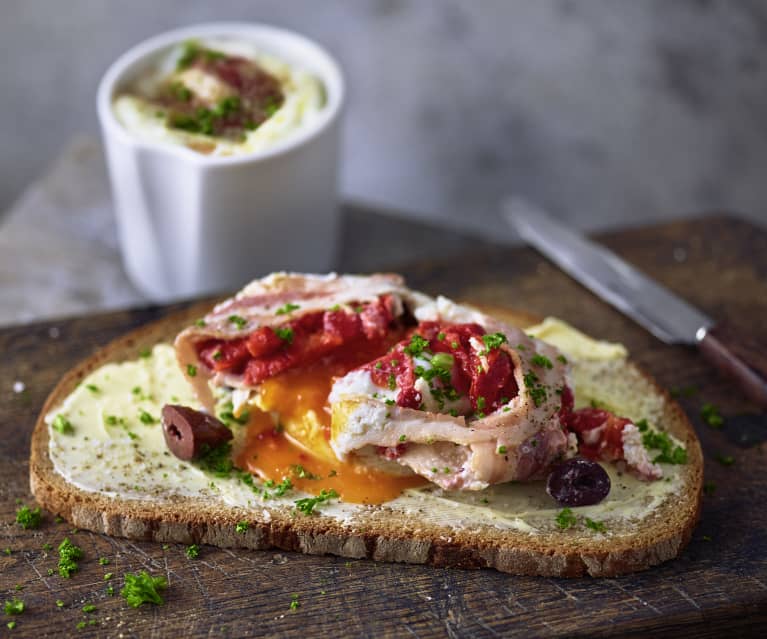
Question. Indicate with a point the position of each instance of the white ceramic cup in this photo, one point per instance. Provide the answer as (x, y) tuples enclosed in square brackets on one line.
[(190, 223)]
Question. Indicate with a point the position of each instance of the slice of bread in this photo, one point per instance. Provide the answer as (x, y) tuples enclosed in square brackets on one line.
[(384, 533)]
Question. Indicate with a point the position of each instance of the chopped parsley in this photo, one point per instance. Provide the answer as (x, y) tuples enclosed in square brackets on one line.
[(684, 391), (502, 450), (191, 370), (279, 489), (403, 438), (193, 551), (288, 308), (103, 561), (239, 321), (417, 345), (69, 555), (11, 625), (642, 425), (307, 504), (62, 424), (143, 588), (481, 402), (566, 519), (493, 340), (144, 353), (204, 120), (181, 92), (89, 608), (227, 415), (145, 417), (241, 527), (562, 359), (711, 416), (379, 366), (93, 388), (284, 333), (597, 526), (14, 607), (108, 576), (669, 454), (709, 488), (294, 604), (725, 460), (59, 603), (299, 471), (541, 360), (443, 361), (200, 322), (217, 460), (392, 382), (29, 518), (335, 308), (441, 337), (537, 390)]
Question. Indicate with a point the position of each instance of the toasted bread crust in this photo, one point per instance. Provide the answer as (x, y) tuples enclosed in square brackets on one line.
[(381, 534)]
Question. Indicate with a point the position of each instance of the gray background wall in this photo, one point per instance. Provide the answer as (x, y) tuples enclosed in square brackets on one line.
[(608, 112)]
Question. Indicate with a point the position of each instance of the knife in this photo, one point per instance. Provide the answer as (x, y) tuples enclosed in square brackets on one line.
[(663, 313)]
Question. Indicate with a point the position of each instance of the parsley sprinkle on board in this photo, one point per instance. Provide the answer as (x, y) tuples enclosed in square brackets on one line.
[(566, 519), (294, 604), (711, 416), (14, 607), (193, 551), (725, 460), (143, 588), (239, 321), (29, 518), (69, 555), (241, 527)]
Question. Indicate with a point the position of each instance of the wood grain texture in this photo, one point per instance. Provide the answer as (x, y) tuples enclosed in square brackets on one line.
[(717, 586)]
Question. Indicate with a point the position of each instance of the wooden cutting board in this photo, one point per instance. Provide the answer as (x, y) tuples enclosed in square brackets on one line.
[(718, 585)]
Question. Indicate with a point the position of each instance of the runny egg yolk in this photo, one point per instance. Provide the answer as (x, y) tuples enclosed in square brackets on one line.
[(299, 448)]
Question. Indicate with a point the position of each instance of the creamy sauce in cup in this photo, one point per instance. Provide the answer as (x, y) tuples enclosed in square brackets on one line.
[(220, 97)]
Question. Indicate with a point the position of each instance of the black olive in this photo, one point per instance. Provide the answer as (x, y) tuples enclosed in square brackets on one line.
[(189, 432), (578, 482)]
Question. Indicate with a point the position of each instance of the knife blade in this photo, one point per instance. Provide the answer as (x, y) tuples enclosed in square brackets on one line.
[(667, 316)]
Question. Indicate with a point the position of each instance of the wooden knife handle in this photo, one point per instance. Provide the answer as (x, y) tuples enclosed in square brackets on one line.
[(738, 356)]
